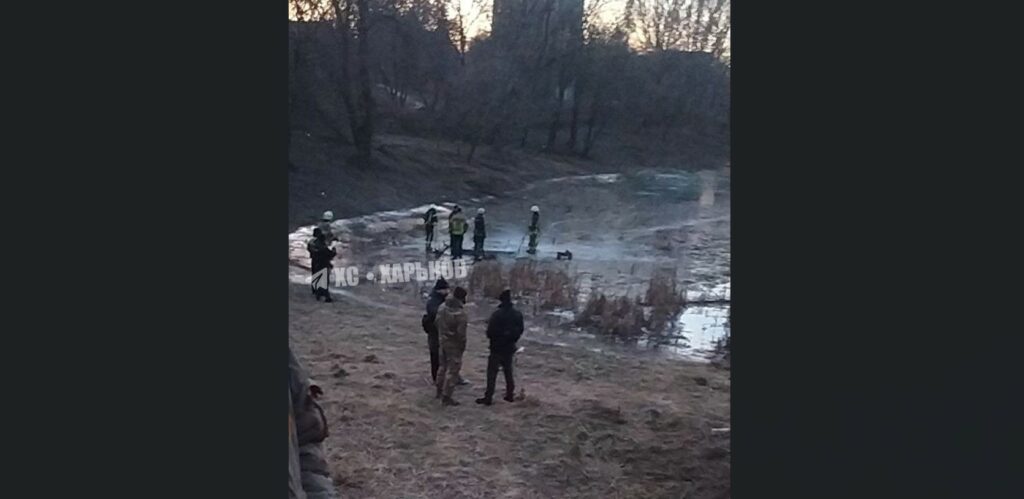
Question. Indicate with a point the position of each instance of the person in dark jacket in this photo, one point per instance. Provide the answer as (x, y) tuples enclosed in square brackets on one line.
[(479, 234), (437, 297), (504, 329), (534, 229), (325, 226), (320, 255), (429, 225)]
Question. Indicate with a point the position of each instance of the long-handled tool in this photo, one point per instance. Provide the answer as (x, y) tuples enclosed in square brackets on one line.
[(521, 241), (438, 253)]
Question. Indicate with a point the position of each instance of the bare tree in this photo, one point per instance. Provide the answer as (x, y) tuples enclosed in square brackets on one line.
[(545, 76), (363, 134), (690, 25)]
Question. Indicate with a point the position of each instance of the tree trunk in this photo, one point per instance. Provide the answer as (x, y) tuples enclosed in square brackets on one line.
[(588, 141), (364, 139), (343, 17), (591, 136), (573, 122), (556, 118)]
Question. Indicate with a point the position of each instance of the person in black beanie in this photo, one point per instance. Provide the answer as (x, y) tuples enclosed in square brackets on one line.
[(504, 329), (437, 297)]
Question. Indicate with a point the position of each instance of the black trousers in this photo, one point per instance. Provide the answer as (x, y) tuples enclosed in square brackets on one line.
[(430, 233), (504, 361), (478, 247), (457, 245), (434, 344)]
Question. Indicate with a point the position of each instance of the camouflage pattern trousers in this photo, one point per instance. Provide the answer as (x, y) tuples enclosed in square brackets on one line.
[(451, 365)]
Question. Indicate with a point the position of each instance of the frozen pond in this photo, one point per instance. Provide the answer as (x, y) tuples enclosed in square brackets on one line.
[(619, 227)]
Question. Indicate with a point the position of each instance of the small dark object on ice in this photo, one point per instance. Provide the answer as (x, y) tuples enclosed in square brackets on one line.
[(371, 358), (702, 381), (564, 254)]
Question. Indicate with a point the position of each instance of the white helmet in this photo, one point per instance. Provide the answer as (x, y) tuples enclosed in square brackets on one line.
[(480, 211), (328, 215), (535, 208)]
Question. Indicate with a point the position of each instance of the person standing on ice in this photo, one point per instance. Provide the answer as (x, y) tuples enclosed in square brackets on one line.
[(325, 226), (429, 223), (534, 229), (457, 229), (479, 234)]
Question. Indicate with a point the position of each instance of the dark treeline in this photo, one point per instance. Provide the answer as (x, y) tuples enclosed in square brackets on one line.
[(547, 75)]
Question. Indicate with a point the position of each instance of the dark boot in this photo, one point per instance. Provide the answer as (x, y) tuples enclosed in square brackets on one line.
[(438, 394), (449, 401), (509, 398), (484, 401)]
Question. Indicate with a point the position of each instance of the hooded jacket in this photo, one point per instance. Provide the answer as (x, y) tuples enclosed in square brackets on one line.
[(504, 328), (451, 322)]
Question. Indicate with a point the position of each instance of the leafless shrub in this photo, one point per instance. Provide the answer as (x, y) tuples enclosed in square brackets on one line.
[(664, 298), (625, 317), (556, 290), (523, 276), (486, 279)]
